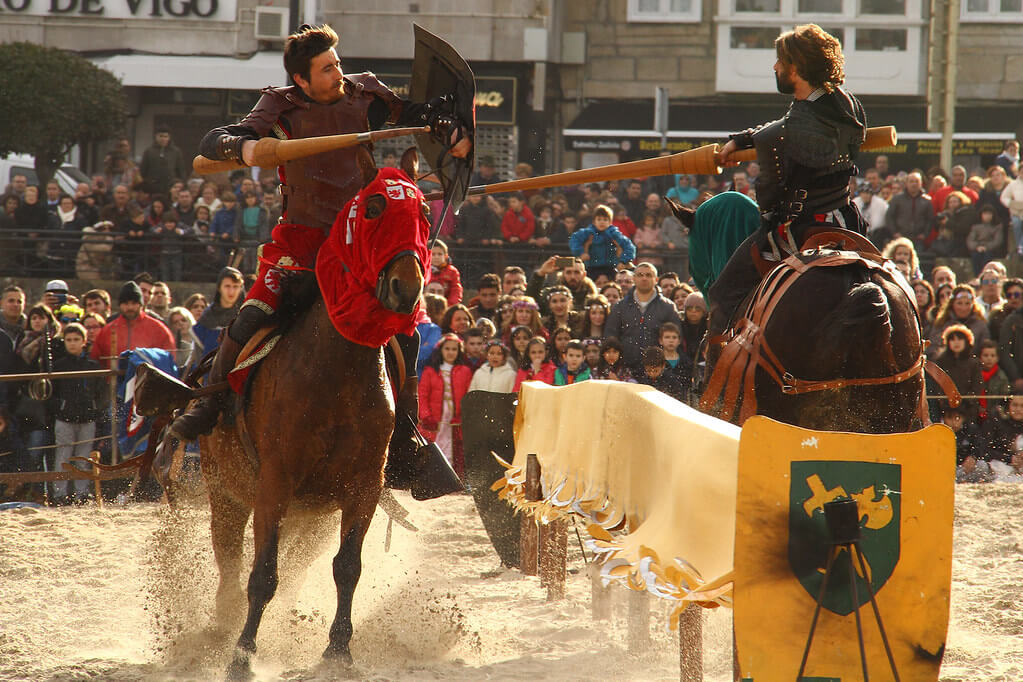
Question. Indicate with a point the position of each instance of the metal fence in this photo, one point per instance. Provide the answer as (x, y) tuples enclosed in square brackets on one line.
[(114, 256)]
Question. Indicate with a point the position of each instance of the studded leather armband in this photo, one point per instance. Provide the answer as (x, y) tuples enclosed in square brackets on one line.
[(230, 146)]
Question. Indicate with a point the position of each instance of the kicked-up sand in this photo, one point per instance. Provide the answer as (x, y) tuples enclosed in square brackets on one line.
[(126, 593)]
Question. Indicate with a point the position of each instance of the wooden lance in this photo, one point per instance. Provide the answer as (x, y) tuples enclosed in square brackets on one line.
[(699, 161), (271, 152)]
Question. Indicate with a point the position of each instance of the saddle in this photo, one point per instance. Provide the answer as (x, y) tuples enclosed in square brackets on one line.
[(158, 393), (745, 349)]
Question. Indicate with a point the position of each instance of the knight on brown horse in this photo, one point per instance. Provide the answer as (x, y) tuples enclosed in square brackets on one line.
[(806, 159), (319, 411), (809, 324), (322, 101)]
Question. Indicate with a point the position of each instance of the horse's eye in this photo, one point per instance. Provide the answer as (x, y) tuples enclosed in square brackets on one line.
[(375, 206)]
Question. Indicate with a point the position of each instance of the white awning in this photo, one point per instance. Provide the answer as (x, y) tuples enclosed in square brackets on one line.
[(182, 71)]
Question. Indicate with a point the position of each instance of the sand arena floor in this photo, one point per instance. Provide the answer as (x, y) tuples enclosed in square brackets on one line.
[(125, 593)]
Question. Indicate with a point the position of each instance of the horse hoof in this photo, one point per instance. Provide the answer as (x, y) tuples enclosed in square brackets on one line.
[(334, 656), (239, 670)]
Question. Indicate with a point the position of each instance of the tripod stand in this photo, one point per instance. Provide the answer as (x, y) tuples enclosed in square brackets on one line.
[(843, 520)]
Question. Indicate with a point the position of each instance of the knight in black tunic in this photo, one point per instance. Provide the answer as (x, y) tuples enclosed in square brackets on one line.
[(806, 159)]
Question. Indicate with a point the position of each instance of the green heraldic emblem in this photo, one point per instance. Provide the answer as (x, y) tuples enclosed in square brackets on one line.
[(875, 487)]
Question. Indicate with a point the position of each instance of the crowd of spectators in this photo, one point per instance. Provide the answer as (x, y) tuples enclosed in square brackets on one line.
[(132, 218), (42, 428), (560, 286)]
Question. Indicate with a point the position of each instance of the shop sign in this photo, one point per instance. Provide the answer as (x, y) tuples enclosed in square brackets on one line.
[(213, 10), (495, 96)]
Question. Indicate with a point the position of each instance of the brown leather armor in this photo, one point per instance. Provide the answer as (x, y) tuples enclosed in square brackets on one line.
[(317, 187)]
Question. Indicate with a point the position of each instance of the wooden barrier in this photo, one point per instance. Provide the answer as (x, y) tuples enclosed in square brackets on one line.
[(639, 621), (70, 473), (530, 543), (544, 547), (554, 558), (690, 645), (544, 550), (600, 594)]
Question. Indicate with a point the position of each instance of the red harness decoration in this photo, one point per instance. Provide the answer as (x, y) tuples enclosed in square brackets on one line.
[(360, 248)]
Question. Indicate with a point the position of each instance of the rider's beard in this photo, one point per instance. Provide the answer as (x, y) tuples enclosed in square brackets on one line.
[(784, 83)]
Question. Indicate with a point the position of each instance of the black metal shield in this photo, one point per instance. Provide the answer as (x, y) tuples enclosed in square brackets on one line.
[(438, 70)]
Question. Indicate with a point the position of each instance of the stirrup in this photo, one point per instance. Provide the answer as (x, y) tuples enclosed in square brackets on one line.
[(433, 476)]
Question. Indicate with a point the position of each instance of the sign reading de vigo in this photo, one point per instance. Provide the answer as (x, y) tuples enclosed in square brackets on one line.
[(213, 10), (903, 485)]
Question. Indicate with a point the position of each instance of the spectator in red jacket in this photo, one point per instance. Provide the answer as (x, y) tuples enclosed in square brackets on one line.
[(134, 328), (518, 224), (957, 182), (445, 382), (446, 273)]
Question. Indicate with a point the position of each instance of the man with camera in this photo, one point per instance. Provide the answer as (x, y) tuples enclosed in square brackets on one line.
[(571, 273)]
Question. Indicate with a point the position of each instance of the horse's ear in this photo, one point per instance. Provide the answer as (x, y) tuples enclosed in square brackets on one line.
[(367, 166), (410, 163), (686, 215)]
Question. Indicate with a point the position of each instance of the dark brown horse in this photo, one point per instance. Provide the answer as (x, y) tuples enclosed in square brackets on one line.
[(843, 323), (833, 347), (320, 415)]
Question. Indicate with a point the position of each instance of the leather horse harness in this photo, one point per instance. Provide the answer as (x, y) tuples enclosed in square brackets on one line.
[(745, 347)]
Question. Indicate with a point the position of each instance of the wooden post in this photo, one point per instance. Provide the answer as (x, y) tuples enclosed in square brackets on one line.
[(554, 558), (114, 459), (690, 644), (639, 621), (94, 456), (600, 599), (529, 551)]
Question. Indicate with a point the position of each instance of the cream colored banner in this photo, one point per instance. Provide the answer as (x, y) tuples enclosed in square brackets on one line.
[(623, 453)]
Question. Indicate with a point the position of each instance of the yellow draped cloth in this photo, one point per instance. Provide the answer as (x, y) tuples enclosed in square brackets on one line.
[(626, 456)]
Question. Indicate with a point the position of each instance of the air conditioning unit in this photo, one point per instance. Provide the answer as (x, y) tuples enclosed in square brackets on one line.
[(271, 23)]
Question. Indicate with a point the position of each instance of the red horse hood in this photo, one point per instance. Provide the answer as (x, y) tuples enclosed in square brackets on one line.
[(359, 248)]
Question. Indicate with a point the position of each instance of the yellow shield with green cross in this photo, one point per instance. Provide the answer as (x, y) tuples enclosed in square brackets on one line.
[(903, 486)]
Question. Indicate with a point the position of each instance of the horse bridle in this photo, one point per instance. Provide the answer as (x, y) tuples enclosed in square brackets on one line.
[(381, 290)]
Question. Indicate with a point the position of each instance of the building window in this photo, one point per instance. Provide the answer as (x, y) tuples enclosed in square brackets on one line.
[(753, 37), (992, 11), (884, 41), (819, 7), (761, 6), (660, 11), (897, 7), (880, 40)]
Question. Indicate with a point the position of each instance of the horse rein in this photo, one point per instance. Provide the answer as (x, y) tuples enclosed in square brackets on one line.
[(747, 348)]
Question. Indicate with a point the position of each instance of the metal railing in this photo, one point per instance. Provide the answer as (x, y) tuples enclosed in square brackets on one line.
[(113, 256)]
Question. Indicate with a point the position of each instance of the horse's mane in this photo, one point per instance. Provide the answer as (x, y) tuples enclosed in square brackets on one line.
[(299, 291), (865, 305)]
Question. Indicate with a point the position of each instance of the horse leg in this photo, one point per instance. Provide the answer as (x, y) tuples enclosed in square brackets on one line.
[(355, 521), (262, 585), (227, 526)]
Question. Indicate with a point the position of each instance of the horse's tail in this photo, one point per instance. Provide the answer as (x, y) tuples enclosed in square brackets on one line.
[(864, 314)]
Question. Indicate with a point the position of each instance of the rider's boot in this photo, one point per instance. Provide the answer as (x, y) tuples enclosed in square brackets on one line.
[(401, 452), (203, 414), (412, 461)]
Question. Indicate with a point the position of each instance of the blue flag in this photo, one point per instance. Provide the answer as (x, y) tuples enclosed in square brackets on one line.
[(133, 429)]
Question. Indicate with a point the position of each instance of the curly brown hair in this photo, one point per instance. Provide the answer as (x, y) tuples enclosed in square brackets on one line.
[(816, 54)]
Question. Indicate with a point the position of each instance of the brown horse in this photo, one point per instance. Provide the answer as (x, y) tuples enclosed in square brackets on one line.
[(320, 415), (847, 322), (834, 347)]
